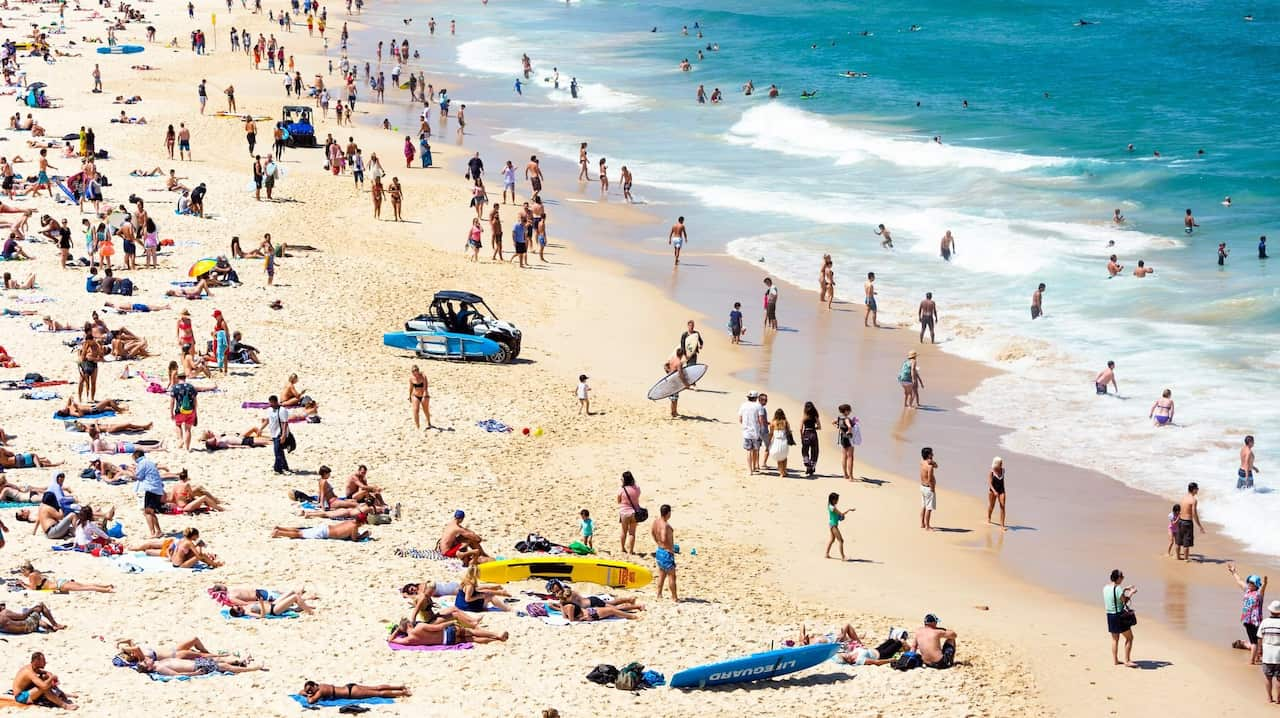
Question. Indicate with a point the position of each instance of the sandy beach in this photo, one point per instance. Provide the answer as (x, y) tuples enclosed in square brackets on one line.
[(1028, 642)]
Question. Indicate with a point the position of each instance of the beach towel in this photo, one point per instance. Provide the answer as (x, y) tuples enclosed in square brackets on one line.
[(40, 395), (97, 415), (339, 702), (16, 504), (226, 613), (427, 554), (25, 385), (139, 562), (493, 426), (255, 405), (455, 647), (33, 298)]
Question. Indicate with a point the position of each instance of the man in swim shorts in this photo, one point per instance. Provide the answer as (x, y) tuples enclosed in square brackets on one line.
[(1244, 473), (928, 312), (928, 488), (533, 173), (1106, 376), (27, 621), (338, 531), (1189, 513), (665, 555), (677, 237), (35, 686), (937, 646), (1037, 302)]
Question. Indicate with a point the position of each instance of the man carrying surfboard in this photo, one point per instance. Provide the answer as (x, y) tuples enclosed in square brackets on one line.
[(676, 364), (691, 340)]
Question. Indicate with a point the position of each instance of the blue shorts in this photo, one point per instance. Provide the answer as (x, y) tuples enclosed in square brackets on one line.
[(24, 697), (1244, 480), (184, 144), (666, 560), (871, 303)]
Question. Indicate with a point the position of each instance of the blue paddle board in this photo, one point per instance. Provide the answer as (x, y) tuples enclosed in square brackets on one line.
[(120, 50), (755, 667)]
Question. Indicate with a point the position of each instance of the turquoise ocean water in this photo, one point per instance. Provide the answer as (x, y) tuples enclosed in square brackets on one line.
[(1025, 181)]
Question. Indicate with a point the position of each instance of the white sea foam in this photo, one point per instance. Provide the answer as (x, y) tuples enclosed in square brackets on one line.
[(780, 128)]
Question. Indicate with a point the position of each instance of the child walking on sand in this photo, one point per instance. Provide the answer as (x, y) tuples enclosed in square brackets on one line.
[(588, 529), (584, 396), (1173, 527), (834, 517)]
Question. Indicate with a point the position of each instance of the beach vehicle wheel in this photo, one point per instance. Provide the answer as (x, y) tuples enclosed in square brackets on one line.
[(502, 356)]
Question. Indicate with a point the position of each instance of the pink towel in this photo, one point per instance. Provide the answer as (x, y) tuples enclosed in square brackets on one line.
[(455, 647)]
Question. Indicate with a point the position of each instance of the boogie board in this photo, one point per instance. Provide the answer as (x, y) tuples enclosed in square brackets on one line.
[(671, 384), (615, 574), (755, 667), (120, 50)]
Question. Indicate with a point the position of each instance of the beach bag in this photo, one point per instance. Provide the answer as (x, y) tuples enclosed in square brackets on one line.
[(1128, 619), (857, 433), (908, 661), (538, 609), (604, 674), (888, 648), (630, 678), (642, 514), (32, 377), (580, 548), (123, 287)]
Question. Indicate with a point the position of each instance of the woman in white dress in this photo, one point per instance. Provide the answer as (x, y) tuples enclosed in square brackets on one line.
[(780, 430)]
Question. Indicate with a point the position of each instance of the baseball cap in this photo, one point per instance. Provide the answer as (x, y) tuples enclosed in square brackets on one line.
[(930, 618), (1274, 607), (459, 514), (1256, 580), (582, 377), (753, 395), (217, 312)]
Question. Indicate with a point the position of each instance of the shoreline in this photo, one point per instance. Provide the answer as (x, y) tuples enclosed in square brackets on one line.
[(337, 304)]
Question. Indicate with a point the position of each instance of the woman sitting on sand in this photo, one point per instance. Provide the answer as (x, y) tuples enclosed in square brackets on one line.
[(262, 608), (440, 631), (474, 597), (193, 364), (316, 692), (130, 652), (184, 498), (422, 593), (293, 396), (74, 408), (89, 534), (37, 581), (8, 282)]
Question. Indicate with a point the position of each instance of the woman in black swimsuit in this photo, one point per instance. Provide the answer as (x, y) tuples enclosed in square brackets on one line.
[(995, 490), (419, 396), (316, 692)]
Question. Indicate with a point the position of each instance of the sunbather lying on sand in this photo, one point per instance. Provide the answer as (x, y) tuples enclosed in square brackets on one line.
[(29, 460), (440, 631), (37, 581), (851, 649), (193, 667), (10, 491), (564, 596), (245, 595), (108, 427), (262, 608), (200, 290), (31, 620), (99, 444), (251, 438), (77, 409), (316, 692), (185, 552), (131, 652), (338, 530)]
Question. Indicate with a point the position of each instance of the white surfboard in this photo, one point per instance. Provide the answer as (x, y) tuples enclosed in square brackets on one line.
[(671, 384)]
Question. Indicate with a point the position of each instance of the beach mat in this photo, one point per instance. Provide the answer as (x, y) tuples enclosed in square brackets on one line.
[(99, 415), (455, 647), (142, 563), (17, 504), (226, 613), (339, 702)]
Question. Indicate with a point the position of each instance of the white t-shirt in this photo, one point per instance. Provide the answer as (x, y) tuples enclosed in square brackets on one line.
[(747, 415), (583, 389), (762, 419), (274, 417), (1269, 634)]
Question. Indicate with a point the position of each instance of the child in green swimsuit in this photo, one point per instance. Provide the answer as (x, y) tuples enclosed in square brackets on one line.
[(834, 517)]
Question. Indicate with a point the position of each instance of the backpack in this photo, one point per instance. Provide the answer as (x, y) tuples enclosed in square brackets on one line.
[(907, 661), (631, 678), (123, 287), (186, 398), (888, 648), (604, 674)]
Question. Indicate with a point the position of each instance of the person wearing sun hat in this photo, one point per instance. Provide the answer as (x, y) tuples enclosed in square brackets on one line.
[(1269, 640), (1255, 592), (909, 379)]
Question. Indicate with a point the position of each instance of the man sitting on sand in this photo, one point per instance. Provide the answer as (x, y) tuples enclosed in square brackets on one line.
[(338, 530), (359, 489), (461, 543), (32, 620), (35, 686), (936, 646)]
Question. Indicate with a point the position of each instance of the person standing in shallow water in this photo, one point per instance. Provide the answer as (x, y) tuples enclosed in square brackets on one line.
[(1037, 302), (677, 236), (770, 304)]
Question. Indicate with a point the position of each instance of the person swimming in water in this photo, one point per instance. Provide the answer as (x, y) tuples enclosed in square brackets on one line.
[(809, 93)]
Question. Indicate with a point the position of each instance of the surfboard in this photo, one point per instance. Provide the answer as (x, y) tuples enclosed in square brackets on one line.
[(691, 345), (120, 50), (615, 574), (670, 384), (755, 667)]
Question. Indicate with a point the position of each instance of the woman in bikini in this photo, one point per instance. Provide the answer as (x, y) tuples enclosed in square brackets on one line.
[(187, 552), (131, 652), (90, 354), (188, 499), (419, 396), (474, 597), (262, 608), (115, 427), (37, 581), (1162, 411), (440, 631), (316, 692), (566, 596), (98, 444), (74, 408)]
